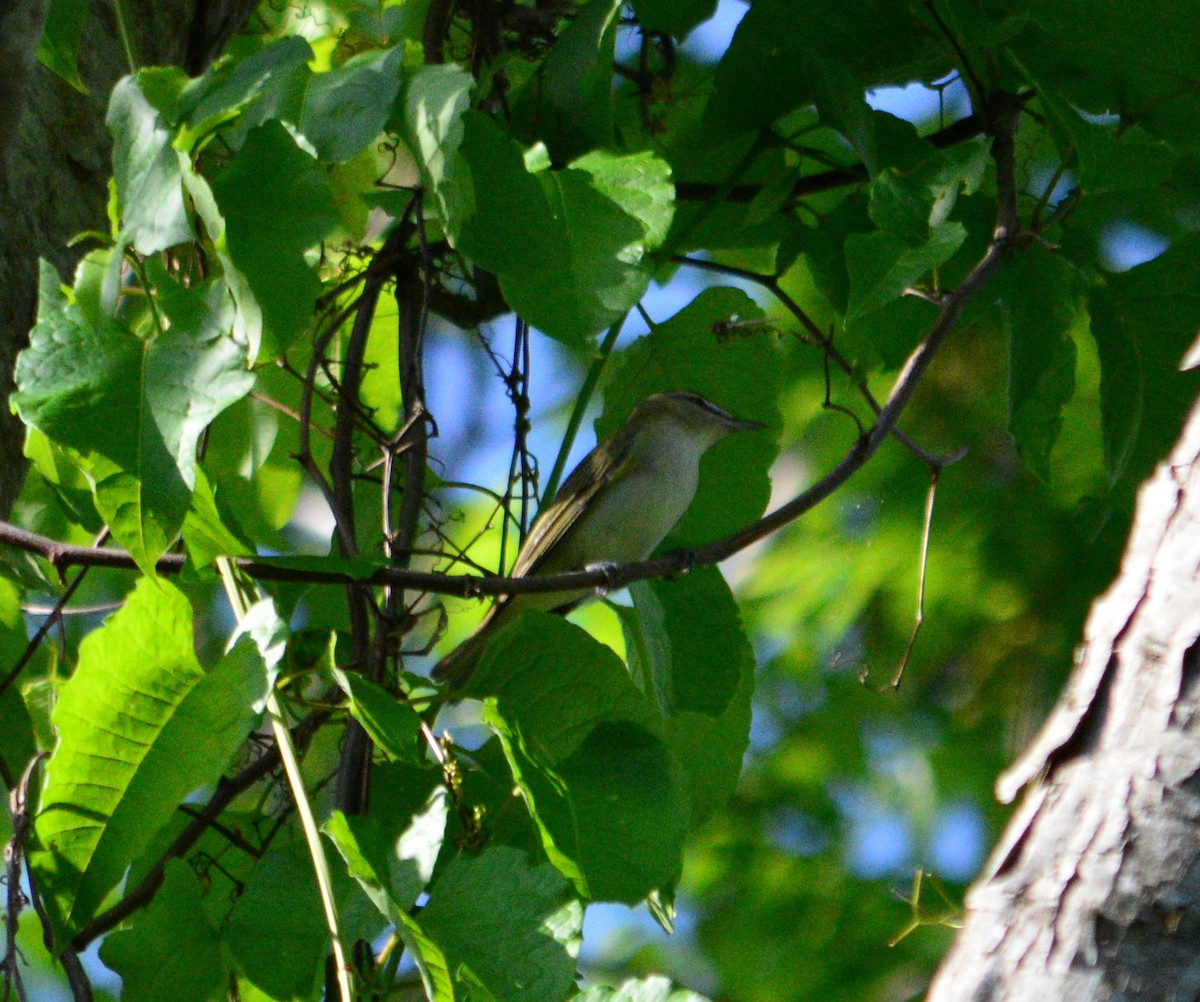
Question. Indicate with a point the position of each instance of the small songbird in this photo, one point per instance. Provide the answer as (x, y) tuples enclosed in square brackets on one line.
[(615, 508)]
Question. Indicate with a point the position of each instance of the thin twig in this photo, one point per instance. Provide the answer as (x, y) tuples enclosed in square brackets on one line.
[(48, 623)]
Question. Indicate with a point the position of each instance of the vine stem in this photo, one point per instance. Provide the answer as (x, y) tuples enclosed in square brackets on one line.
[(242, 595)]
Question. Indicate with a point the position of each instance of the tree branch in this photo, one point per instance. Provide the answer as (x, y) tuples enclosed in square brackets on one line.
[(1003, 114)]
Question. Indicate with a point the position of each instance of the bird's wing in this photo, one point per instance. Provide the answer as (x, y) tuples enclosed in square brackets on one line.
[(597, 469)]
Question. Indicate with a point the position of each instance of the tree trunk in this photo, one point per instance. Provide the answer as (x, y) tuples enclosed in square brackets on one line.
[(54, 152), (1094, 889)]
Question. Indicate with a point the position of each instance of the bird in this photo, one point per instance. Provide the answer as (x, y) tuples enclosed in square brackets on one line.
[(615, 507)]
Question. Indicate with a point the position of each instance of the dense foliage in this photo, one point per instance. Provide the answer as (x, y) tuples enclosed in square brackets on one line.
[(379, 245)]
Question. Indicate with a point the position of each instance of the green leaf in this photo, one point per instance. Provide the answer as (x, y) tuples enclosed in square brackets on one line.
[(641, 185), (391, 853), (775, 59), (651, 989), (276, 930), (429, 960), (207, 532), (276, 202), (58, 49), (1143, 322), (514, 926), (569, 246), (696, 661), (585, 270), (435, 101), (17, 744), (907, 203), (394, 726), (553, 681), (882, 266), (741, 375), (1038, 292), (346, 108), (580, 739), (147, 172), (140, 725), (613, 814), (133, 409), (675, 17), (1115, 59), (170, 953), (702, 669), (575, 89), (268, 84)]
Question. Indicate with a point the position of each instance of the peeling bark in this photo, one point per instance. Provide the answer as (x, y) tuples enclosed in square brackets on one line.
[(55, 153), (1094, 889)]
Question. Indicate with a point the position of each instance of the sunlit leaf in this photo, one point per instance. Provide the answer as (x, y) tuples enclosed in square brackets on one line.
[(140, 725)]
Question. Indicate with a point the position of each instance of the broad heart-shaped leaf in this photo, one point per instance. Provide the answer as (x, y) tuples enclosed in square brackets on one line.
[(276, 203), (508, 925), (882, 266), (1039, 294), (345, 109), (147, 172), (702, 669), (651, 989), (1144, 321), (580, 740), (741, 374), (171, 953), (140, 725), (132, 409), (568, 245)]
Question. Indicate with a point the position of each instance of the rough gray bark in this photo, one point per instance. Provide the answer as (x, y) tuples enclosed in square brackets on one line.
[(1094, 889), (54, 152)]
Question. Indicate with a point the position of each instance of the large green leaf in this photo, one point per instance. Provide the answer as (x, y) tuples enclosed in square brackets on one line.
[(391, 851), (514, 926), (266, 84), (569, 246), (276, 931), (276, 203), (1143, 322), (147, 172), (171, 953), (580, 740), (775, 60), (345, 109), (701, 669), (1039, 295), (1127, 59), (62, 31), (133, 408), (575, 86), (882, 266), (140, 725)]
